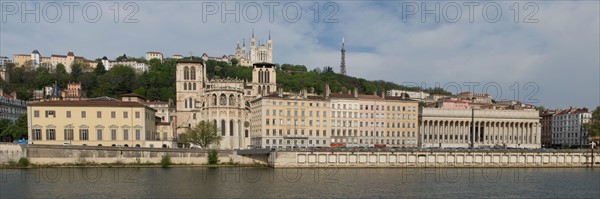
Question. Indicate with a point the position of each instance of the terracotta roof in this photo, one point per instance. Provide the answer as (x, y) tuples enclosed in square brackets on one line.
[(398, 98), (157, 103), (317, 97), (155, 52), (132, 95), (102, 103), (58, 55), (369, 97), (341, 95)]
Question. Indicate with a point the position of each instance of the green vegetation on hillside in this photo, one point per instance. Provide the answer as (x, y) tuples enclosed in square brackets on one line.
[(159, 82)]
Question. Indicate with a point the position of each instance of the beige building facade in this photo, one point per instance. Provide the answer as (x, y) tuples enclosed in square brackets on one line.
[(154, 55), (290, 121), (92, 123)]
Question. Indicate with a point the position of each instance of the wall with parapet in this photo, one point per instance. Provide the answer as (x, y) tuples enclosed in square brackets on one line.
[(293, 159), (53, 155)]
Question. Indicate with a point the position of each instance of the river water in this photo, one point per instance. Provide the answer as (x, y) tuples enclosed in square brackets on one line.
[(247, 182)]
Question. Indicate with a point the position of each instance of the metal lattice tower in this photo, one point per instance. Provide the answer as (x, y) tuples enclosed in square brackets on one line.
[(343, 64)]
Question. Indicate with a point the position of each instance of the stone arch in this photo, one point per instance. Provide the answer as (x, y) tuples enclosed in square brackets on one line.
[(222, 127), (232, 101), (214, 100), (223, 100), (230, 127), (186, 73), (193, 73)]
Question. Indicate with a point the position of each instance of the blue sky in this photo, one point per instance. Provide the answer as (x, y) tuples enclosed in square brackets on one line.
[(551, 61)]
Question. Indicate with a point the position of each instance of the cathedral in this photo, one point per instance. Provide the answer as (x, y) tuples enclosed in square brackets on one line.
[(225, 102), (258, 53)]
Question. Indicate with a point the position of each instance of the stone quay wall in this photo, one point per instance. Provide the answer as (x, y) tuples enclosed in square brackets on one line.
[(501, 158), (56, 155)]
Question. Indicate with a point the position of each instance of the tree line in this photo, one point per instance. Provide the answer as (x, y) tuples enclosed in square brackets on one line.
[(158, 83)]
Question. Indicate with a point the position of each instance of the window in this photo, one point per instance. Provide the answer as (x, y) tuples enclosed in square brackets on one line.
[(36, 113), (137, 114), (82, 115), (50, 113), (37, 134), (125, 134), (113, 114), (83, 133), (113, 134), (137, 134), (68, 134), (50, 134), (99, 114), (125, 114), (99, 134), (68, 114)]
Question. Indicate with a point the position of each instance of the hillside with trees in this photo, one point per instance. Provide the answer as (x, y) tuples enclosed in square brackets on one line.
[(158, 83)]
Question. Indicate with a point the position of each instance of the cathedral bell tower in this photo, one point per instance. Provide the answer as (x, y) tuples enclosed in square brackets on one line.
[(264, 78)]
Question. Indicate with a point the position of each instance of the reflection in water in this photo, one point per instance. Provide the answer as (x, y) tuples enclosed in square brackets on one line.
[(248, 182)]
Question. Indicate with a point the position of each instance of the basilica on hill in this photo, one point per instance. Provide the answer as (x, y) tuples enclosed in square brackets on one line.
[(258, 52)]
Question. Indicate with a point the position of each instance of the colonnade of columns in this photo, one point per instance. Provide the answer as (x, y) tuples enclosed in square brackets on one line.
[(484, 133)]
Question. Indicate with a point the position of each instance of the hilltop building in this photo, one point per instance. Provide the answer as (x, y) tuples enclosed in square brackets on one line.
[(35, 59), (257, 53)]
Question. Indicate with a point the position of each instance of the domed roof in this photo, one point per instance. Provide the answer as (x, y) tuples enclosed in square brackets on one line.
[(35, 52)]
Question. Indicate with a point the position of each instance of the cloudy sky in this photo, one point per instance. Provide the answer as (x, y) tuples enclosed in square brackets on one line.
[(544, 53)]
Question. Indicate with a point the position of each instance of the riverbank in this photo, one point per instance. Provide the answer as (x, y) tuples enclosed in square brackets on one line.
[(116, 165), (80, 156)]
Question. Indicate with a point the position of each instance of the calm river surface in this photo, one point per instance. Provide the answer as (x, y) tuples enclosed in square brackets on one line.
[(241, 182)]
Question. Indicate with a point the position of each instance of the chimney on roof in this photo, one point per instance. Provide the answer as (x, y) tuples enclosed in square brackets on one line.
[(327, 92), (312, 90), (280, 92), (355, 92), (383, 94), (303, 92), (375, 92)]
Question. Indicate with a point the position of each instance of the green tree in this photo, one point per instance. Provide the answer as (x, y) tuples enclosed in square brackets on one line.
[(100, 69), (4, 124), (593, 126), (61, 76), (76, 70), (122, 57), (234, 62), (203, 134), (18, 129), (116, 81), (42, 77)]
